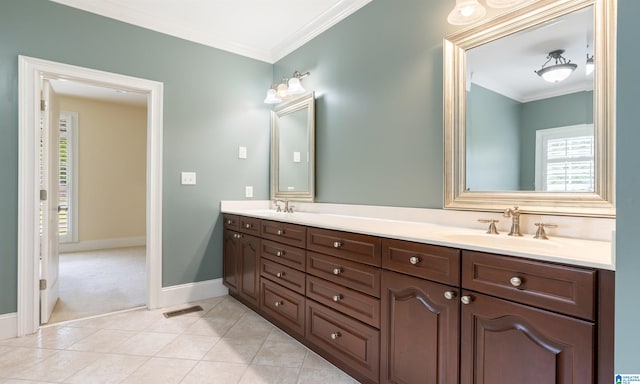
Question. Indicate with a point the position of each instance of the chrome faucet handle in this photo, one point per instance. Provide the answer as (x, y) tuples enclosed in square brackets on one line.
[(289, 207), (277, 204), (492, 225), (540, 233)]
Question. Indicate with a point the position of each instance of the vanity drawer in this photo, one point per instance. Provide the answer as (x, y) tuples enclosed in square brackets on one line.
[(284, 254), (285, 276), (231, 221), (361, 277), (560, 288), (355, 304), (284, 306), (249, 225), (286, 233), (431, 262), (352, 246), (349, 344)]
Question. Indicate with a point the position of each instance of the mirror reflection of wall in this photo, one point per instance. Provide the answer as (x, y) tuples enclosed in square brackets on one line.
[(508, 103), (293, 152)]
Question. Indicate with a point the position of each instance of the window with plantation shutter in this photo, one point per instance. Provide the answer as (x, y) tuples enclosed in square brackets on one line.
[(66, 177), (564, 159)]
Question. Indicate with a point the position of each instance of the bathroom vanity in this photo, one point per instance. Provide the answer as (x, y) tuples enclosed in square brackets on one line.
[(393, 306)]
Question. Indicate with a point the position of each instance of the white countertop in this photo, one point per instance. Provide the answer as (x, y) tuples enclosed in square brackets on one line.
[(581, 252)]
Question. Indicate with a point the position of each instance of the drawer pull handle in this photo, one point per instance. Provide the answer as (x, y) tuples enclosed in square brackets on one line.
[(248, 226), (280, 253), (229, 222), (279, 274), (335, 335), (278, 303), (414, 260), (449, 295), (466, 300), (515, 281), (337, 271), (337, 244), (237, 236), (337, 298), (280, 232)]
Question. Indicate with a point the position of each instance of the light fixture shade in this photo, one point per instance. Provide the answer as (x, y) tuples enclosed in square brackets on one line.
[(271, 97), (504, 3), (557, 73), (295, 88), (466, 12), (283, 91), (590, 66)]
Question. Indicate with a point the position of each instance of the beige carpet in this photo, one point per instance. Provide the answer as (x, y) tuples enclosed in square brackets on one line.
[(99, 282)]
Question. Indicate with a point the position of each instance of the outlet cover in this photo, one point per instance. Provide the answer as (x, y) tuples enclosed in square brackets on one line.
[(248, 191), (188, 178), (242, 152)]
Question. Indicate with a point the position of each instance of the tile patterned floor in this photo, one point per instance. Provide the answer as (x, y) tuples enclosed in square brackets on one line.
[(226, 343)]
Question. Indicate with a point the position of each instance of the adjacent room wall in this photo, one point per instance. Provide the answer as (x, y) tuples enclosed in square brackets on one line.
[(112, 159)]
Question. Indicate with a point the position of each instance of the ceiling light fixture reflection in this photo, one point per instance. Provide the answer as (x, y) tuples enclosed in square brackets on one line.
[(560, 70), (590, 66), (466, 12)]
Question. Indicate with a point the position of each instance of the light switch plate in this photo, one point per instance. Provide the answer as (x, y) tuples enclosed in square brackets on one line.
[(296, 157), (188, 178), (248, 191), (242, 152)]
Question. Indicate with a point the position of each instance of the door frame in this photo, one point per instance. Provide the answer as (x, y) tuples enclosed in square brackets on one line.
[(29, 71)]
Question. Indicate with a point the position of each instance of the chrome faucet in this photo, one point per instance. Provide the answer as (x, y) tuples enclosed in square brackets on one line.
[(514, 213), (277, 204), (288, 208)]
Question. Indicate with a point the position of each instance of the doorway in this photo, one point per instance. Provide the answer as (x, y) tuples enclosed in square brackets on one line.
[(31, 73)]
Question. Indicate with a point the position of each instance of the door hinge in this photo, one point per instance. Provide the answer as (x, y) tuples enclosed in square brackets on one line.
[(43, 284), (43, 105), (43, 195)]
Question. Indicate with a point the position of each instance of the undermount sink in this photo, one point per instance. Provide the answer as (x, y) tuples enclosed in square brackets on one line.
[(485, 239)]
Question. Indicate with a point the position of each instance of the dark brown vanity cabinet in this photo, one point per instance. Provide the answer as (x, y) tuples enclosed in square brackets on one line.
[(241, 258), (395, 311)]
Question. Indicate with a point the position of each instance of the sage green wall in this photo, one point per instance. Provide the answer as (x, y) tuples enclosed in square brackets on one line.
[(212, 104), (378, 82), (627, 353), (493, 141), (559, 111)]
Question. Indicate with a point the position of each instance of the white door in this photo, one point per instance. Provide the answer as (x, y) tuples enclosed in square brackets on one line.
[(49, 180)]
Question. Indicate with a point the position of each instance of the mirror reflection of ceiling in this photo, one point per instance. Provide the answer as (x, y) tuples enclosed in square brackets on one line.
[(507, 65)]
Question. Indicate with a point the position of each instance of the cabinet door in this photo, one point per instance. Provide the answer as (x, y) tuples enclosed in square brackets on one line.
[(230, 260), (420, 329), (249, 255), (505, 342)]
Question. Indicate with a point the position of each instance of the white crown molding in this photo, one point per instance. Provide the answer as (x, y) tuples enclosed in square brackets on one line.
[(325, 21)]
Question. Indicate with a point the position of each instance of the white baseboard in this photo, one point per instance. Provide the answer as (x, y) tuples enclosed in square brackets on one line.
[(94, 245), (8, 326), (180, 294)]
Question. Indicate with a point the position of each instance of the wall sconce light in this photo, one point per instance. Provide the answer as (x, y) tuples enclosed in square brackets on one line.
[(286, 89), (590, 66), (559, 71), (470, 11)]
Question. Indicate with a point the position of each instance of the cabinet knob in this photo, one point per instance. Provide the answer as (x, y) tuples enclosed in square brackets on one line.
[(515, 281), (449, 295), (337, 298), (335, 335), (229, 222), (278, 303), (414, 260), (280, 232), (280, 253), (279, 274), (466, 300), (337, 271), (237, 235), (248, 226), (337, 244)]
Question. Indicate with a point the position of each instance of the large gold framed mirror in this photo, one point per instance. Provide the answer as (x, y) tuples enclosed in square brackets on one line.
[(513, 138), (293, 149)]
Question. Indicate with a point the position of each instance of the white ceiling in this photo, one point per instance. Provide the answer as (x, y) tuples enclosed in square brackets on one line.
[(97, 92), (260, 29)]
